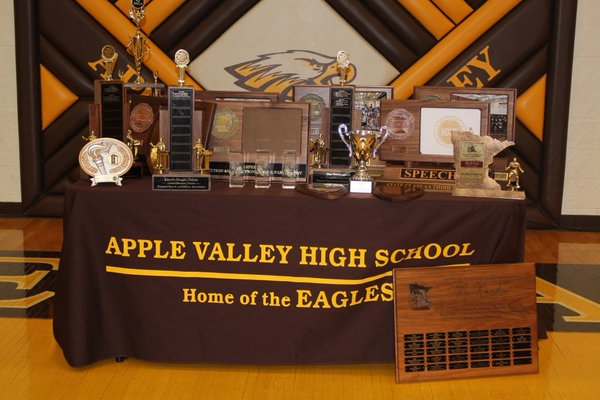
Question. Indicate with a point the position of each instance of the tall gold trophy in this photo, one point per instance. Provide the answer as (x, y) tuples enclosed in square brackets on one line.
[(138, 47)]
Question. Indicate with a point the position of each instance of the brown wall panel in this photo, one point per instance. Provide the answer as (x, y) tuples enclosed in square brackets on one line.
[(534, 39)]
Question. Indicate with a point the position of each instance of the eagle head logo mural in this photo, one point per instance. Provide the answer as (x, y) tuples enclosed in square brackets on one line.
[(279, 72)]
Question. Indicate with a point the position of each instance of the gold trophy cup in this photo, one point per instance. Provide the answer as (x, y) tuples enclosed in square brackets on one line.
[(363, 145)]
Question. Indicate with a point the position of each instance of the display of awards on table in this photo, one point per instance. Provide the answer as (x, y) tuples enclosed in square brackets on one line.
[(465, 321), (105, 160), (473, 156), (109, 99), (180, 161), (362, 146)]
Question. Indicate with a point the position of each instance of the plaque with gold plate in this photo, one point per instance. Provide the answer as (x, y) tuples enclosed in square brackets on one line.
[(465, 321), (105, 160)]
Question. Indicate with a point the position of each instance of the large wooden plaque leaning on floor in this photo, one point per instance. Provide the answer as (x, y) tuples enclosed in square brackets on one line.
[(465, 321)]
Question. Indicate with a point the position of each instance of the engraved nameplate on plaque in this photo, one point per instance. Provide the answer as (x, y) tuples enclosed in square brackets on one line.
[(181, 111)]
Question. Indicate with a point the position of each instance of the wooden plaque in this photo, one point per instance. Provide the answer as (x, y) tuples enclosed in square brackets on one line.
[(110, 96), (420, 130), (502, 105), (465, 321)]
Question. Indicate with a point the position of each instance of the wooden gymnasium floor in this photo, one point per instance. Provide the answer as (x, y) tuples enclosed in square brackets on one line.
[(32, 365)]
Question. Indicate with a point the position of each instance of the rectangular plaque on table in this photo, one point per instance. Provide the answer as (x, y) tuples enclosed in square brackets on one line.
[(465, 321), (181, 126), (502, 104), (421, 130), (110, 96)]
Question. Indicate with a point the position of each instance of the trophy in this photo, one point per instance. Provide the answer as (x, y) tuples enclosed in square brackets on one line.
[(109, 59), (182, 59), (343, 64), (473, 155), (138, 47), (363, 145), (107, 113)]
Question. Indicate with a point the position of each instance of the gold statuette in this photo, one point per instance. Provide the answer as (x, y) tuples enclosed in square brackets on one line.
[(202, 158), (159, 157), (514, 169)]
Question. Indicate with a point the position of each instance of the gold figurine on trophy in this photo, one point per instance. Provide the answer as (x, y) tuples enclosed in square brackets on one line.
[(318, 148), (202, 157), (182, 59), (133, 144), (159, 156), (109, 60), (138, 47), (343, 66), (514, 169)]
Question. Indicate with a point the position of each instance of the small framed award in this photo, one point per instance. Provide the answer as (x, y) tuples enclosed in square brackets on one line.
[(501, 100), (421, 130)]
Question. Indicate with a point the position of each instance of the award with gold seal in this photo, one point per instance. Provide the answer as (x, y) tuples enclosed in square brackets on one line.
[(105, 160)]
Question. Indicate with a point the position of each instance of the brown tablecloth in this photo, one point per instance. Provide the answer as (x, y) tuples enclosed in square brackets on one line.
[(253, 275)]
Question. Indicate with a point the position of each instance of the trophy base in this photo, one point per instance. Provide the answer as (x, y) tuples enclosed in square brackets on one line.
[(361, 186), (179, 181), (499, 194)]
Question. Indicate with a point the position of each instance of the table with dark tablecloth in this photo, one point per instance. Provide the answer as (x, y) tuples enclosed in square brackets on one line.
[(255, 275)]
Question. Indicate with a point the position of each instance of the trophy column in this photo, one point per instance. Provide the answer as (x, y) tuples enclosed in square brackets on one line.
[(109, 99), (187, 157)]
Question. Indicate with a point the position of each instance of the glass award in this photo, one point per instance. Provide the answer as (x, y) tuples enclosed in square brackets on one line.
[(289, 169), (236, 169), (262, 172)]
